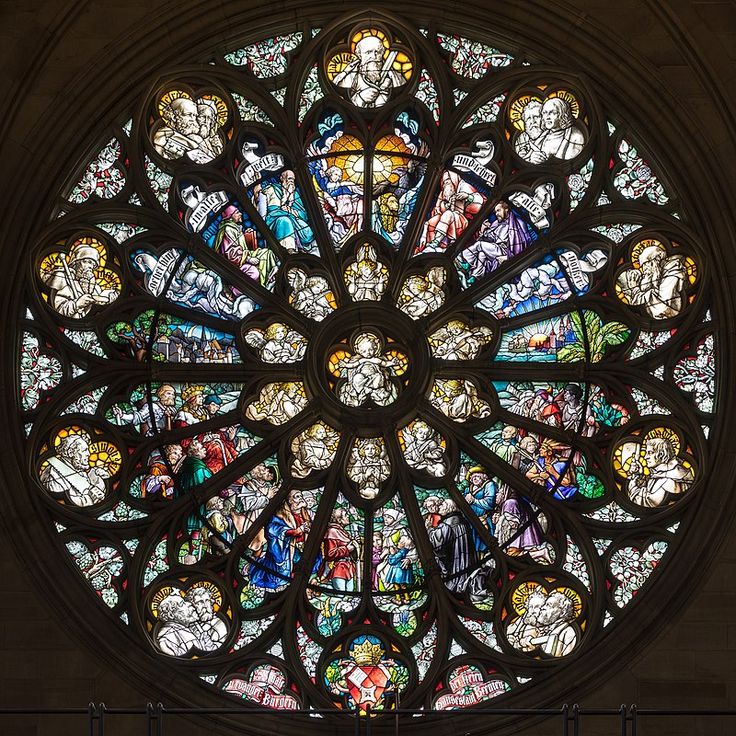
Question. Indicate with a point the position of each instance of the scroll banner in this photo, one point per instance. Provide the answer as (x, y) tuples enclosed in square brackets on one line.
[(269, 162), (212, 203), (463, 162), (536, 212), (162, 270), (571, 262), (479, 693), (258, 694)]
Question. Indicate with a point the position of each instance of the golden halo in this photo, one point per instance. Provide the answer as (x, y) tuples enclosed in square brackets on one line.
[(89, 242), (691, 269), (215, 592), (517, 108), (640, 246), (364, 33), (108, 279), (68, 432), (50, 263), (403, 64), (104, 454), (625, 454), (162, 593), (568, 97), (400, 369), (222, 111), (574, 596), (521, 594), (367, 335), (667, 434), (164, 104), (334, 360), (338, 62)]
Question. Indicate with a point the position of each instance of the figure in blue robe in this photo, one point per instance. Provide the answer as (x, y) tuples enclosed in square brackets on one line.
[(274, 568), (483, 503), (398, 572), (281, 206)]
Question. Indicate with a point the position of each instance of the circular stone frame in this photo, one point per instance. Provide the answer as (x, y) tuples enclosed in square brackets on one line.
[(368, 420), (633, 92)]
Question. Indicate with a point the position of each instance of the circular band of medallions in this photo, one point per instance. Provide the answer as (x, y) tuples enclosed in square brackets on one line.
[(628, 444)]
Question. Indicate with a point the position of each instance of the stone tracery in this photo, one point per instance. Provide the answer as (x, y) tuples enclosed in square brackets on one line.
[(566, 468)]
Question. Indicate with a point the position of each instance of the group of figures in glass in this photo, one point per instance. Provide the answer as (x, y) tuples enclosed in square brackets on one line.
[(364, 425)]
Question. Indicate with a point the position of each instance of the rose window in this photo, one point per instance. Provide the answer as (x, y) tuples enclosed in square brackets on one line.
[(368, 365)]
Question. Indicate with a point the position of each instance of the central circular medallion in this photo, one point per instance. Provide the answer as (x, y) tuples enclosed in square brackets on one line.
[(368, 370), (370, 363)]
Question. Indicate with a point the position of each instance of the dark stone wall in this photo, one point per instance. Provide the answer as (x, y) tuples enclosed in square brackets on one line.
[(47, 46)]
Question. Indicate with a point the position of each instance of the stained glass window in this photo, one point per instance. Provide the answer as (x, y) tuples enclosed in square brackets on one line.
[(368, 366)]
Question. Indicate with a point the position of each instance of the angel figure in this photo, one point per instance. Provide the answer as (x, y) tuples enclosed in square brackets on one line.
[(366, 277), (310, 295), (369, 465), (423, 448), (314, 449), (277, 403), (278, 343), (458, 341), (422, 295), (458, 399), (340, 197)]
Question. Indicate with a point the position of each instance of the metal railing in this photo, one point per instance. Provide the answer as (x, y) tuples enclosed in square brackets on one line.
[(625, 719)]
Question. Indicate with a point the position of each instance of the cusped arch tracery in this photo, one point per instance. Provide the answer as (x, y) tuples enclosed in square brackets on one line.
[(369, 365)]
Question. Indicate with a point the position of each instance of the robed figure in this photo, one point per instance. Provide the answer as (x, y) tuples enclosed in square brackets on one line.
[(275, 567), (338, 567), (453, 547), (498, 241), (281, 206)]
